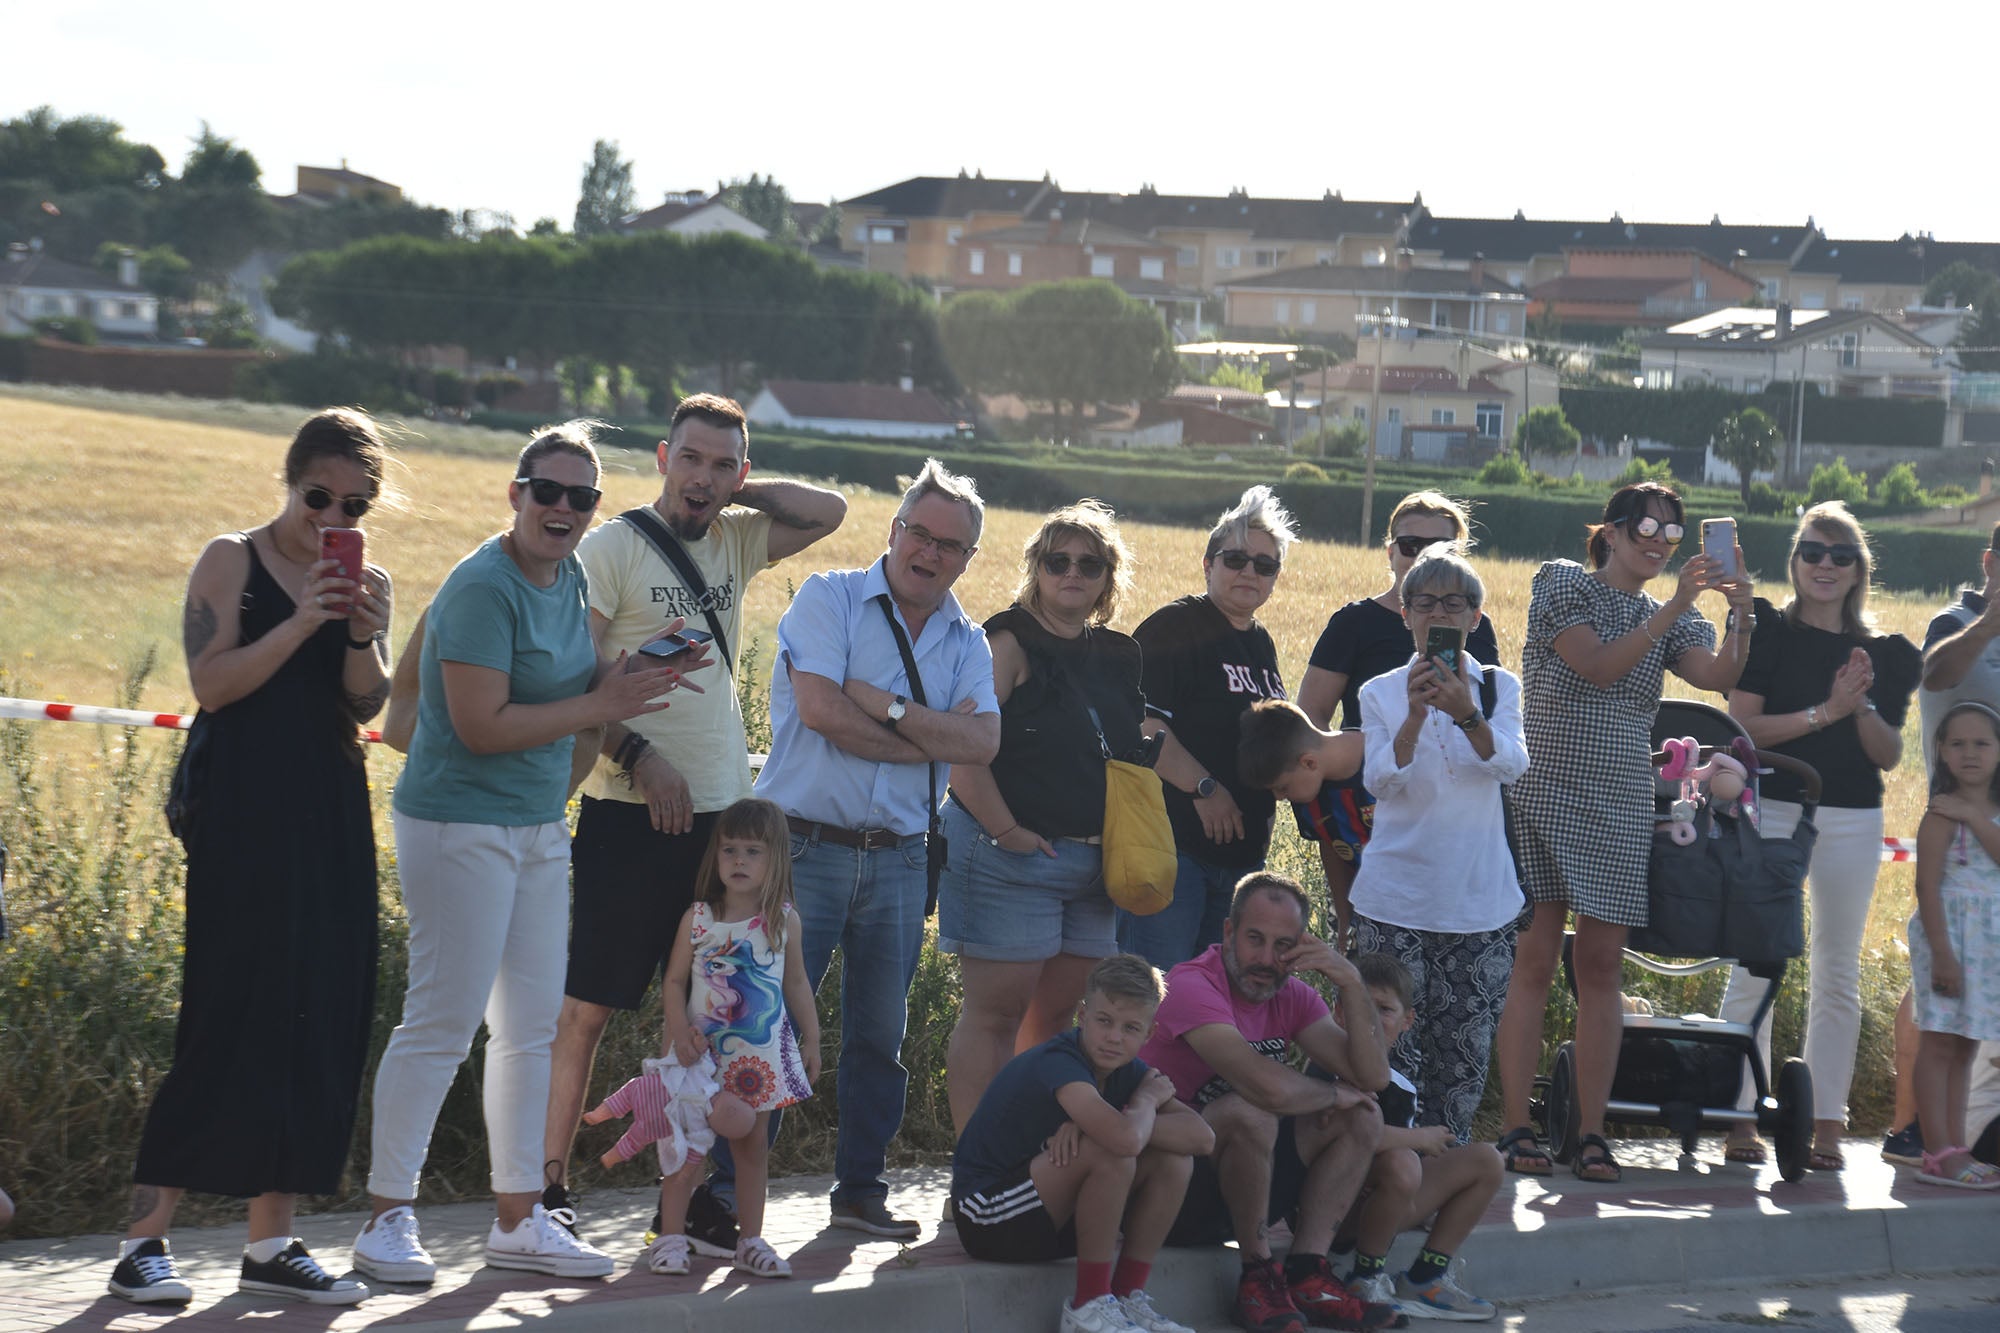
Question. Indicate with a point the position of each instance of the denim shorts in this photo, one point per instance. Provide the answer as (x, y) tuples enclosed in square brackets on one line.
[(1021, 907)]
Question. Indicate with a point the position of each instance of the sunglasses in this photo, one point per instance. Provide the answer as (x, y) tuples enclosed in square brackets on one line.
[(582, 499), (1089, 566), (1266, 567), (1412, 547), (944, 546), (1648, 526), (1450, 603), (1813, 553), (319, 497)]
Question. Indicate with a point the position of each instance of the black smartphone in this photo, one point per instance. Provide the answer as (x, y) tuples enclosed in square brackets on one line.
[(1444, 641), (675, 644)]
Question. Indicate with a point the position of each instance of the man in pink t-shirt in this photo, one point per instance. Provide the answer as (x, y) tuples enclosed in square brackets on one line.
[(1284, 1141)]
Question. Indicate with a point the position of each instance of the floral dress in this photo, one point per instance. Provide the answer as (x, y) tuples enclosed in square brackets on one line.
[(736, 999), (1969, 891)]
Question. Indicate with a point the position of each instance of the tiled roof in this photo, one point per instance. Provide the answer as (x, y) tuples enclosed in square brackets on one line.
[(1215, 395), (1069, 231), (1324, 219), (1518, 238), (1357, 376), (1908, 259), (660, 215), (345, 176), (859, 402), (40, 271), (1606, 289), (949, 197), (1756, 330), (1382, 279)]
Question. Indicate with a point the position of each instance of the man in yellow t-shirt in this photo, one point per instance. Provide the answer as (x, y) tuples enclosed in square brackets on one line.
[(651, 801)]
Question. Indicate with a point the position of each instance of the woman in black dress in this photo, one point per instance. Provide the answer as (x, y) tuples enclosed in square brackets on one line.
[(286, 660)]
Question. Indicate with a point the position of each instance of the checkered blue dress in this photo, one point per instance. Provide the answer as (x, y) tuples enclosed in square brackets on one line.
[(1583, 812)]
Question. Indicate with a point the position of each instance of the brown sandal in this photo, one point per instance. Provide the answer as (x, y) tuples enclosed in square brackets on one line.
[(1751, 1151)]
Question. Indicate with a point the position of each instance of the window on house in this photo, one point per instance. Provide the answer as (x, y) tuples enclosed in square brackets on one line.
[(1444, 416), (1375, 258), (128, 310), (1229, 257), (1281, 310), (1322, 256), (1308, 312), (1360, 412), (1153, 268), (975, 261), (1014, 264), (1502, 322), (1753, 386), (1771, 288), (1813, 301), (951, 235), (1658, 378), (1269, 258), (1444, 319), (882, 235), (1850, 350), (1394, 415), (1850, 303), (51, 305), (1487, 418), (1188, 256), (1101, 266)]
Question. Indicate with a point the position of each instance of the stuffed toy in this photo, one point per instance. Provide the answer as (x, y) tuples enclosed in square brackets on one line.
[(1724, 782)]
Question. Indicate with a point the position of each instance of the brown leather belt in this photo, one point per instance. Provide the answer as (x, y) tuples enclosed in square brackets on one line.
[(863, 839)]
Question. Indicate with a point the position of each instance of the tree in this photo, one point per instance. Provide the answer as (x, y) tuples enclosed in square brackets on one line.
[(764, 202), (1899, 488), (217, 163), (1836, 481), (1545, 433), (827, 230), (1229, 376), (1959, 284), (1748, 441), (85, 152), (1084, 341), (607, 192)]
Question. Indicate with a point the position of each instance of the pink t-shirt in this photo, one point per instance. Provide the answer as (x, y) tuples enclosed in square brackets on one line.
[(1198, 994)]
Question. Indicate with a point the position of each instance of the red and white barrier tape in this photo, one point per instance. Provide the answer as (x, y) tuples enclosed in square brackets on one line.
[(1899, 849), (40, 710)]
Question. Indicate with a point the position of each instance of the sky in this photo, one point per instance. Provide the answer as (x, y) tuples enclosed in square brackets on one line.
[(1755, 111)]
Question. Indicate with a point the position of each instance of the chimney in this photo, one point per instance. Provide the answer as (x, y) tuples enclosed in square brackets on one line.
[(1476, 272), (1055, 223), (128, 268), (1784, 319), (1403, 257)]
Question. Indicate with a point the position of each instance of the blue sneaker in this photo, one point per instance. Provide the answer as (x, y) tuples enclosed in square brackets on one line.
[(1442, 1298), (1905, 1146)]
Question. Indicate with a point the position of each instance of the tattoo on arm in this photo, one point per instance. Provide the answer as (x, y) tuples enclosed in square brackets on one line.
[(197, 626), (361, 707), (779, 514)]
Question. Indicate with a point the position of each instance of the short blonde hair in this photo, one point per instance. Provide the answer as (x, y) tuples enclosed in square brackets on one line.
[(1435, 504), (1259, 509), (1097, 524), (1834, 517)]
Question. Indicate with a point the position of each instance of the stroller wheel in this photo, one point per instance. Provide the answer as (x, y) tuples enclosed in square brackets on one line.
[(1538, 1107), (1564, 1112), (1793, 1127)]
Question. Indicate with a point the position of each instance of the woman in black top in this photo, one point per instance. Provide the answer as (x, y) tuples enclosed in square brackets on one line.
[(1822, 686), (1022, 902), (1361, 641)]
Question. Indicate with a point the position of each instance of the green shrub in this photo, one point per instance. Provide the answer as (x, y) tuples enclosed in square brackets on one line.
[(1768, 499), (1835, 481), (1900, 489), (68, 329), (1950, 495), (1640, 470), (1304, 471), (1505, 469), (328, 377)]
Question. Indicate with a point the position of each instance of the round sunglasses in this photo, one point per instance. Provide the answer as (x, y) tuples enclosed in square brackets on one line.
[(582, 499), (1813, 553), (1266, 567), (1648, 526), (1089, 566), (319, 497)]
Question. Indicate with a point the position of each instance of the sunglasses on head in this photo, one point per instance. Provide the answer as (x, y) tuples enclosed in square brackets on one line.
[(1814, 552), (1412, 547), (1090, 566), (319, 497), (1266, 567), (582, 499), (1648, 526)]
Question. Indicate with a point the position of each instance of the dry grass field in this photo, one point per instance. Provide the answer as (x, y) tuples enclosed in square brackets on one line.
[(106, 500)]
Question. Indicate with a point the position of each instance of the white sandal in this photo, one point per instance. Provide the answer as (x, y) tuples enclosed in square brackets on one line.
[(668, 1256), (758, 1259)]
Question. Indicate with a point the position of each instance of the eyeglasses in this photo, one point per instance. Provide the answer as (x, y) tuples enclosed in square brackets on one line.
[(944, 546), (1813, 553), (319, 497), (1089, 566), (1412, 547), (1450, 603), (582, 499), (1648, 526), (1266, 567)]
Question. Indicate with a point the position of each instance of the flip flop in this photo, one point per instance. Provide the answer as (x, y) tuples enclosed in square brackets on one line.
[(1749, 1151), (1518, 1147)]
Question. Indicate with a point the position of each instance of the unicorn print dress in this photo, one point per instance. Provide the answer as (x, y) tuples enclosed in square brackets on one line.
[(737, 1000)]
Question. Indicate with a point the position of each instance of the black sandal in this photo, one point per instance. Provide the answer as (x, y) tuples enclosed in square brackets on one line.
[(1512, 1148), (1603, 1162)]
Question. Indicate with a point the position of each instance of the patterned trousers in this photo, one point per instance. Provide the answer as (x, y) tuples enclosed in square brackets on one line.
[(1459, 982)]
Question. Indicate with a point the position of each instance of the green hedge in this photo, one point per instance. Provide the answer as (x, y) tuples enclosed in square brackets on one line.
[(14, 356), (1686, 418)]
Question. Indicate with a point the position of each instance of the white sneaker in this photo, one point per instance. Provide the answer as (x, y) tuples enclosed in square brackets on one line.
[(541, 1244), (1376, 1288), (1139, 1310), (1103, 1315), (388, 1250)]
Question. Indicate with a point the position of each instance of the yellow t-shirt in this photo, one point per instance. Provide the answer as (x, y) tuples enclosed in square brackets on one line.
[(638, 592)]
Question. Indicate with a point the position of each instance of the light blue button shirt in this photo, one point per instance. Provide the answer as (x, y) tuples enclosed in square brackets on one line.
[(834, 628)]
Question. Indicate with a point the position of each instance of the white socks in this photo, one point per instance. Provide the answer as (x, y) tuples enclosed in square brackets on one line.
[(264, 1251)]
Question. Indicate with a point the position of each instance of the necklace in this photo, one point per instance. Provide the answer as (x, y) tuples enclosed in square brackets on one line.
[(278, 546)]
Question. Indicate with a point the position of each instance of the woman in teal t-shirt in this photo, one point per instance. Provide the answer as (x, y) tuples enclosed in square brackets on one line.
[(509, 675)]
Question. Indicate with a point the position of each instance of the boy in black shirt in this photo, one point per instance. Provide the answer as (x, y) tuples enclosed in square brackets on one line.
[(1073, 1141)]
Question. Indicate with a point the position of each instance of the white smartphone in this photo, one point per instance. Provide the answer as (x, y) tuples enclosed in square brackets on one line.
[(1718, 543)]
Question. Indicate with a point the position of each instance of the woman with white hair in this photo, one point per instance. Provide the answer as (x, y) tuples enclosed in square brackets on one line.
[(1207, 660)]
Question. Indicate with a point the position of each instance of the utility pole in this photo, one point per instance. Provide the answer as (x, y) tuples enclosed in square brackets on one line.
[(1381, 323)]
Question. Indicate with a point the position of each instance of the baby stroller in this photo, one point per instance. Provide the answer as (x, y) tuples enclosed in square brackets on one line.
[(1727, 897)]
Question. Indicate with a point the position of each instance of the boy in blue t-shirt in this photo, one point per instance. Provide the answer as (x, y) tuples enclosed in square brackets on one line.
[(1074, 1141)]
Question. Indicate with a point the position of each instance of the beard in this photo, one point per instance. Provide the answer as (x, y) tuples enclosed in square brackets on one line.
[(689, 528), (1250, 986)]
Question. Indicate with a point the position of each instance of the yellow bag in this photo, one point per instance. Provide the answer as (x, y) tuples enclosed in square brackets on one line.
[(1139, 856)]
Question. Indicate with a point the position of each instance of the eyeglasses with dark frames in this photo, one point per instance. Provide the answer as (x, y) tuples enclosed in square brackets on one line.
[(319, 497), (1648, 526), (1266, 567), (1450, 603), (1412, 547), (947, 547), (1843, 554), (582, 499), (1058, 563)]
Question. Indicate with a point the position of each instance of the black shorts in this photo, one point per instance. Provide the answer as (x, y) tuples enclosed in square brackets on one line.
[(1204, 1216), (1007, 1224), (630, 884)]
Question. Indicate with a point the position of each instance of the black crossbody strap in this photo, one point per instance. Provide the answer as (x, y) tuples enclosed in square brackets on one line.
[(675, 554), (916, 682)]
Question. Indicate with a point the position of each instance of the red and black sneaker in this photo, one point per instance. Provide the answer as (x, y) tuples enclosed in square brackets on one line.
[(1263, 1304), (1327, 1303)]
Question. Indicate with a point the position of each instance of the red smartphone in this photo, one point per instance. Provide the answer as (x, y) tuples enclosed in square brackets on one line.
[(343, 545)]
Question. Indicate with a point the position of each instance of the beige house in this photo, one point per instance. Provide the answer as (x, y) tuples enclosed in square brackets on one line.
[(1331, 298), (912, 229), (1847, 353), (1526, 252)]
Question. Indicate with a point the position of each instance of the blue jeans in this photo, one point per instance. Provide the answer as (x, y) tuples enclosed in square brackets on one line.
[(1188, 924), (871, 906)]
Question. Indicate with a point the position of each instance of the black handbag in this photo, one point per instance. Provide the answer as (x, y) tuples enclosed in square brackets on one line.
[(183, 803), (1728, 894)]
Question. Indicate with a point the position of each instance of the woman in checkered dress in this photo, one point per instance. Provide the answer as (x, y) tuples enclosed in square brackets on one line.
[(1592, 664)]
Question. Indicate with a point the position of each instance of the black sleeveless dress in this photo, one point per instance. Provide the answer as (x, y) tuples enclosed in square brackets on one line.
[(279, 981)]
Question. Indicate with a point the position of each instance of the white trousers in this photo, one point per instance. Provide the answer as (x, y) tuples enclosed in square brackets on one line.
[(1838, 894), (489, 937)]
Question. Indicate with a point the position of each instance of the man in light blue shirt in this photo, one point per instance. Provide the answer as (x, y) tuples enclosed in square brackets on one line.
[(851, 754)]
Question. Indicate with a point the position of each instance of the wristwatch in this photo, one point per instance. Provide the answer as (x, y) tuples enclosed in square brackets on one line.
[(1205, 788), (897, 707), (1470, 722)]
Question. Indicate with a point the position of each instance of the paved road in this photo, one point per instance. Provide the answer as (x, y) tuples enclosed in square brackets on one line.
[(1882, 1305)]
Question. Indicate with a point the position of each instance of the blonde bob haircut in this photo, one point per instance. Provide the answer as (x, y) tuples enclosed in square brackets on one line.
[(1432, 504), (1097, 524), (1833, 518)]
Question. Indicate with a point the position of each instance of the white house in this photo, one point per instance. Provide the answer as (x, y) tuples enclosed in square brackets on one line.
[(878, 411), (1847, 353), (35, 286), (693, 214)]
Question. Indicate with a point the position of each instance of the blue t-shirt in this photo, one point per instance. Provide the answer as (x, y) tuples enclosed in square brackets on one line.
[(1019, 1110), (487, 614)]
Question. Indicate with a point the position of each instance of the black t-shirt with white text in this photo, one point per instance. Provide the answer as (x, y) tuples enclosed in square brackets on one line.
[(1365, 639)]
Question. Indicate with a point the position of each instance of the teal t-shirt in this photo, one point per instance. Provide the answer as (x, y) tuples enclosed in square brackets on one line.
[(487, 614)]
